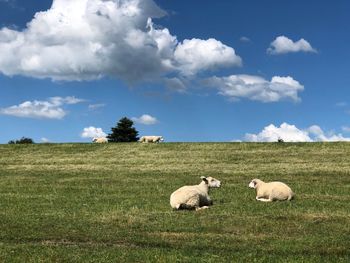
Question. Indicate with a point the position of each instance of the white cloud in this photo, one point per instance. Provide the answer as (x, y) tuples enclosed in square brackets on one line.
[(282, 45), (175, 84), (11, 3), (244, 39), (93, 107), (271, 133), (195, 55), (257, 88), (341, 104), (88, 39), (315, 130), (45, 140), (92, 132), (50, 109), (290, 133), (319, 135), (145, 119), (66, 100), (345, 129)]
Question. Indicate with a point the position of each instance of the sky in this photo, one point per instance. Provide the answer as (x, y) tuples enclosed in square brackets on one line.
[(216, 71)]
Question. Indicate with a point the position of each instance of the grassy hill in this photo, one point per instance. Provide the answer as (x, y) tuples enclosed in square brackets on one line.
[(110, 203)]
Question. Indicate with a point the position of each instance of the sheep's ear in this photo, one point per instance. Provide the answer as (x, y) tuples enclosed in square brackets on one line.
[(204, 179)]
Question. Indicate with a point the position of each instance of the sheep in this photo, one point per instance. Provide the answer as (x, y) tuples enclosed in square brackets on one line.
[(268, 192), (147, 139), (194, 196), (100, 140)]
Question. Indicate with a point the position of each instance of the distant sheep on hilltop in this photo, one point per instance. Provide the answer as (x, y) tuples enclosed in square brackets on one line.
[(100, 140), (147, 139)]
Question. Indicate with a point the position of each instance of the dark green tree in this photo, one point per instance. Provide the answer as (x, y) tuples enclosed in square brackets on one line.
[(23, 140), (123, 131)]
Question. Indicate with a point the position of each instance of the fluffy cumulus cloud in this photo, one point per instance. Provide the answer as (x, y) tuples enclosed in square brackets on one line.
[(196, 55), (50, 109), (290, 133), (319, 135), (257, 88), (145, 119), (282, 45), (88, 39), (286, 132), (92, 132)]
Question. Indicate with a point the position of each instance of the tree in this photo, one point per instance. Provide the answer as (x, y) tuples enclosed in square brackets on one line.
[(23, 140), (123, 132)]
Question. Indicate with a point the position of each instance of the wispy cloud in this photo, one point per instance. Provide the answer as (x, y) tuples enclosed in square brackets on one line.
[(49, 109), (341, 104), (93, 107), (45, 140), (283, 45), (345, 129), (244, 39), (175, 84), (12, 4)]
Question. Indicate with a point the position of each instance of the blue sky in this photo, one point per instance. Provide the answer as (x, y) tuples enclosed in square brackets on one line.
[(187, 70)]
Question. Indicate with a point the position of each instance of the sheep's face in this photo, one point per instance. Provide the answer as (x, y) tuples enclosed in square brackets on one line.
[(253, 183), (211, 182), (161, 139), (94, 139)]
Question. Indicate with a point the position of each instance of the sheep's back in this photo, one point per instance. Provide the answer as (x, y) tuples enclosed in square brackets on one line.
[(183, 194), (279, 190)]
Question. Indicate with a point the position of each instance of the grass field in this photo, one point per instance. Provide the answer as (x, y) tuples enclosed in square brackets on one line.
[(110, 203)]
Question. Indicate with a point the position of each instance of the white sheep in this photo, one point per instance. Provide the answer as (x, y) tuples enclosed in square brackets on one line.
[(100, 140), (147, 139), (268, 192), (194, 196)]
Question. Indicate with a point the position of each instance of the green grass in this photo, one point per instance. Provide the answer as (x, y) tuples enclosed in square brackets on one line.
[(110, 203)]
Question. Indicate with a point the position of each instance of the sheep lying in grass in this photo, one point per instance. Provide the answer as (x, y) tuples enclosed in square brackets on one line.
[(268, 192), (100, 140), (151, 139), (194, 196)]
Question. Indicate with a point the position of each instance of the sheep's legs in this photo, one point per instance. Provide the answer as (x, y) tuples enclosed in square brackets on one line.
[(263, 199), (202, 207)]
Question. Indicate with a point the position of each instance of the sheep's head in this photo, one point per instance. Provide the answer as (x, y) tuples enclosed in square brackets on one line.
[(94, 139), (161, 139), (211, 182), (254, 183)]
